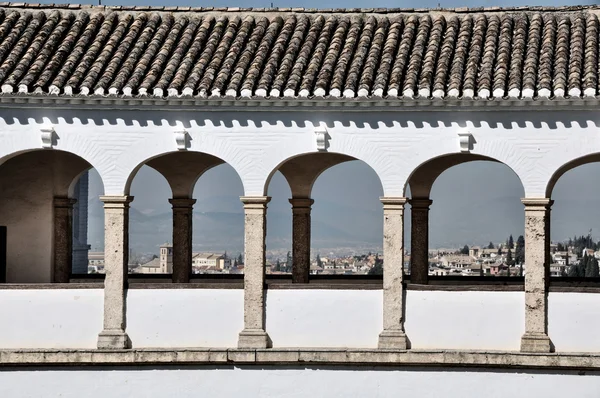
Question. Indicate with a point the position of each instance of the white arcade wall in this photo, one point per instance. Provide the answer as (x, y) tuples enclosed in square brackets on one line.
[(268, 382), (50, 318), (72, 318), (573, 322), (465, 320), (185, 317)]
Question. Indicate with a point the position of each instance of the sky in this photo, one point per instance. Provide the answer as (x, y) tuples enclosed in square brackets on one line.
[(473, 203)]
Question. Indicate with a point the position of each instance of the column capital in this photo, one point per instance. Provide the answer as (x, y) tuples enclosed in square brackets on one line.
[(185, 203), (255, 202), (420, 203), (393, 202), (64, 202), (537, 203), (300, 203), (116, 202)]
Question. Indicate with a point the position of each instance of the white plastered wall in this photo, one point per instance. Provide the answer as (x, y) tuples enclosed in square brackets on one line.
[(573, 321), (273, 382), (324, 318), (465, 320), (185, 317), (50, 318)]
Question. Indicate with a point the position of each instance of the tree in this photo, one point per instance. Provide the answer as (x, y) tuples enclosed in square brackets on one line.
[(560, 247), (573, 271), (579, 270), (465, 250), (509, 259), (235, 263), (319, 262), (490, 246), (240, 260), (288, 262), (520, 250), (377, 269), (591, 268), (511, 242), (499, 250), (277, 266)]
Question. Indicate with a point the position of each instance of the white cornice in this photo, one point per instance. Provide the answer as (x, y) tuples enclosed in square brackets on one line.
[(296, 104)]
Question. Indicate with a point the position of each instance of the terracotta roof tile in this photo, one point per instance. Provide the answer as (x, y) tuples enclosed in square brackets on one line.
[(287, 53)]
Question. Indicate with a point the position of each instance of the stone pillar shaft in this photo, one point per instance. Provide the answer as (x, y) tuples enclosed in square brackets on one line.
[(419, 240), (116, 257), (63, 239), (537, 261), (393, 335), (183, 212), (255, 231), (301, 208)]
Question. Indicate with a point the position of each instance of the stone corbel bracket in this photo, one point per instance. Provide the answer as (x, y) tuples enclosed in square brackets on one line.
[(466, 142), (322, 138), (182, 139), (49, 137)]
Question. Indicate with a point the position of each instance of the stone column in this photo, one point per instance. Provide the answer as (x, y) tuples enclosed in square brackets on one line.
[(182, 238), (419, 240), (116, 257), (537, 255), (301, 208), (63, 239), (255, 231), (393, 335)]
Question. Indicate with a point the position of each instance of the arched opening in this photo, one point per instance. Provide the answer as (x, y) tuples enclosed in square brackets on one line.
[(575, 243), (336, 219), (186, 218), (150, 224), (88, 225), (218, 238), (466, 219), (40, 191)]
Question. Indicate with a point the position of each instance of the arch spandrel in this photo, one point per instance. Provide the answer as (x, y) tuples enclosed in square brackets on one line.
[(183, 169)]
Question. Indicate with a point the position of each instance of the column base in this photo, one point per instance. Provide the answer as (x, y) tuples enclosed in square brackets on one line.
[(254, 338), (393, 340), (536, 343), (113, 340)]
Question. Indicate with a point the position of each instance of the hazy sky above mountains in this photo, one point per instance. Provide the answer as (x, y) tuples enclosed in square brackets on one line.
[(473, 203)]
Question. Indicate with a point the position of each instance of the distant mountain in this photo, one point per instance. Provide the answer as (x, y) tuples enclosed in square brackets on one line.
[(224, 230)]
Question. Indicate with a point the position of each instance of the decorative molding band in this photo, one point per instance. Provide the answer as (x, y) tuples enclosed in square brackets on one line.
[(182, 139), (49, 137), (301, 357)]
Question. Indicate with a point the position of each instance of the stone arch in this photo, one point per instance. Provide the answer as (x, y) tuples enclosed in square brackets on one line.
[(422, 178), (558, 173), (36, 201), (421, 182), (302, 171), (181, 170)]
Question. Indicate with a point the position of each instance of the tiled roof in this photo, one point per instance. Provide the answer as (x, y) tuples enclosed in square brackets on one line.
[(288, 53)]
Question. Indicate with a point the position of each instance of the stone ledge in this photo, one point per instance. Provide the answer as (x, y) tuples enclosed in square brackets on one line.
[(304, 356)]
